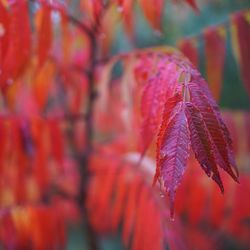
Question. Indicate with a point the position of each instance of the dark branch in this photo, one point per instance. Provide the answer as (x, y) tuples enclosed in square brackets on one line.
[(73, 20), (80, 25)]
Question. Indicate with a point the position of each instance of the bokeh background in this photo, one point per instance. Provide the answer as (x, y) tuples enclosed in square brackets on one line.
[(204, 219), (198, 215)]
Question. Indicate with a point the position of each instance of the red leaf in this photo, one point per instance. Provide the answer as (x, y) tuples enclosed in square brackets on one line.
[(107, 180), (220, 143), (201, 143), (247, 126), (4, 32), (130, 209), (93, 8), (22, 12), (189, 49), (126, 8), (57, 141), (120, 199), (141, 214), (40, 167), (44, 34), (215, 50), (233, 131), (193, 4), (129, 198), (242, 39), (4, 143), (167, 115), (202, 85), (155, 94), (174, 151), (17, 43)]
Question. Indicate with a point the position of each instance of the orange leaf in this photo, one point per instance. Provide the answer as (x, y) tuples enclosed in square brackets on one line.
[(241, 41), (44, 29), (153, 10)]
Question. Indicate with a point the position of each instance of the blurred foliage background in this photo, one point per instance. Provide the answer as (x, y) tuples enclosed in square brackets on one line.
[(179, 22)]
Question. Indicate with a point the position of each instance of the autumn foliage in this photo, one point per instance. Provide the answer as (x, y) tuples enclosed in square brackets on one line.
[(82, 143)]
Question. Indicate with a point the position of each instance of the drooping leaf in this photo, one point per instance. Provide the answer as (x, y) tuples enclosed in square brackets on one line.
[(104, 85), (22, 10), (126, 9), (138, 241), (130, 210), (229, 120), (155, 94), (174, 151), (241, 40), (189, 48), (3, 140), (220, 143), (104, 188), (205, 90), (66, 38), (40, 166), (201, 143), (17, 43), (138, 201), (247, 125), (204, 204), (106, 37), (57, 141), (4, 32), (167, 116), (37, 227), (120, 199), (44, 29), (215, 50), (42, 83), (153, 10)]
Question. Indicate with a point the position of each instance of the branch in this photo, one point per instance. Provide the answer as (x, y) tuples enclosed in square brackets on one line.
[(84, 170), (80, 25), (72, 19)]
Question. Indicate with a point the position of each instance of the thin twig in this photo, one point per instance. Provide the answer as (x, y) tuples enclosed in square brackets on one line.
[(80, 25), (73, 20)]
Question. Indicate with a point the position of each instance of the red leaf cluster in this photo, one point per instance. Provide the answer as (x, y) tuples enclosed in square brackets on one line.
[(47, 97), (32, 227), (15, 41), (215, 50), (121, 195), (191, 116), (241, 40)]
